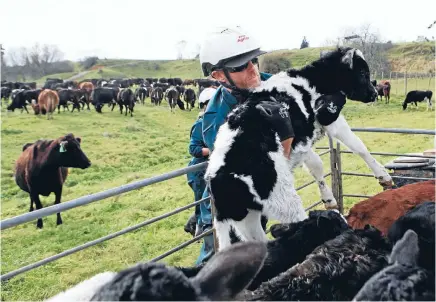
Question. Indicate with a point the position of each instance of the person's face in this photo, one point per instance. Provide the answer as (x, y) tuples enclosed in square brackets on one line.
[(244, 79)]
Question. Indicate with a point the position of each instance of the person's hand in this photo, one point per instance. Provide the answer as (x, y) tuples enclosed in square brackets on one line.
[(278, 116)]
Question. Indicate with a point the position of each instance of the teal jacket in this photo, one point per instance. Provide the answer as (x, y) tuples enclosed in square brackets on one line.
[(216, 112), (196, 146)]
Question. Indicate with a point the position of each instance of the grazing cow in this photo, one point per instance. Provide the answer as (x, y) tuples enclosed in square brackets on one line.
[(48, 100), (172, 95), (163, 80), (141, 94), (384, 89), (42, 168), (416, 96), (156, 96), (87, 87), (189, 97), (18, 101), (126, 98), (178, 81), (262, 184), (171, 82), (68, 95), (104, 95)]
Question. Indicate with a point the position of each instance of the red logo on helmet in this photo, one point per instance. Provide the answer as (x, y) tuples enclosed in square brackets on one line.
[(242, 38)]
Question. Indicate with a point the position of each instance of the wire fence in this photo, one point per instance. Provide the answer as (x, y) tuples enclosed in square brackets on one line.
[(336, 174)]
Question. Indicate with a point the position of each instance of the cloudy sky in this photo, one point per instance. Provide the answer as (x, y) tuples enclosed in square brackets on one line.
[(144, 29)]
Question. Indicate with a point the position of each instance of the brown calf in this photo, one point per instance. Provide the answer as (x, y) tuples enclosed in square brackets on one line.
[(42, 168), (48, 100), (87, 88)]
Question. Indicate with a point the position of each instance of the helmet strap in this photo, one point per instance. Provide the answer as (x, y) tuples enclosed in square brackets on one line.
[(229, 78)]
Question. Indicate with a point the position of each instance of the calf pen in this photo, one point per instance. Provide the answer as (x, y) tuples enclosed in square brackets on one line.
[(336, 175)]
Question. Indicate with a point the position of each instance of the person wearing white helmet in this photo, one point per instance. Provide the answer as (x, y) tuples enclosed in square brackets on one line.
[(230, 56), (199, 153)]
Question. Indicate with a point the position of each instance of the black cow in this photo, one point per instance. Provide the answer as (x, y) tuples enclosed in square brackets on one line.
[(104, 95), (178, 81), (51, 83), (5, 93), (172, 96), (181, 90), (30, 95), (126, 98), (170, 82), (164, 86), (18, 101), (141, 93), (156, 96), (189, 97), (163, 80), (69, 95), (416, 96)]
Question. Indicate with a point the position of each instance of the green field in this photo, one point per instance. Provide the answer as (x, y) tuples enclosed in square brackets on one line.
[(123, 150)]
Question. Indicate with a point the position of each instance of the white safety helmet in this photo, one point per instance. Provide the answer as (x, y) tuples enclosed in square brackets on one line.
[(228, 47), (206, 95)]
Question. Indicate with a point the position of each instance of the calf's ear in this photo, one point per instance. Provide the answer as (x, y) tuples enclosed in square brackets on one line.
[(230, 271), (79, 139), (27, 146)]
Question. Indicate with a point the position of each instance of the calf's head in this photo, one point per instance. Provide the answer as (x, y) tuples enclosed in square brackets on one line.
[(319, 227), (350, 74), (70, 153), (222, 278)]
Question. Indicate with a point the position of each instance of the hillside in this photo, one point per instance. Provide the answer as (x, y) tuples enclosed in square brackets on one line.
[(410, 57)]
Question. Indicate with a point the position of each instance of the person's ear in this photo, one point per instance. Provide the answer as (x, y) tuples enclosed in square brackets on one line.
[(219, 75)]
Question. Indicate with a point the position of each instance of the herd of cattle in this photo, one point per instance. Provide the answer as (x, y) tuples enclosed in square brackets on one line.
[(384, 90), (98, 92)]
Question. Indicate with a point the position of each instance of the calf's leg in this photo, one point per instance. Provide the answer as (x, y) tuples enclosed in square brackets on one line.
[(314, 164), (35, 198), (58, 195), (342, 131)]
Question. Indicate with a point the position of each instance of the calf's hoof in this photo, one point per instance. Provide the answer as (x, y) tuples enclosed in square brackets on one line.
[(386, 184), (331, 206), (39, 224)]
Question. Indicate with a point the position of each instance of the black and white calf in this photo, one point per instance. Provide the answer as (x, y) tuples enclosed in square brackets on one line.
[(248, 175), (416, 96)]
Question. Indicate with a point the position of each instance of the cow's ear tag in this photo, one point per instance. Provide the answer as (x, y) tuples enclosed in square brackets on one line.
[(62, 148)]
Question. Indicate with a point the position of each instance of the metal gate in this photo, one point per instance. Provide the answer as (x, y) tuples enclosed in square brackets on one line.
[(336, 175)]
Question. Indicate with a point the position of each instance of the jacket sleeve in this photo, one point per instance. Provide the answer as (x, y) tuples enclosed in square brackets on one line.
[(196, 142), (215, 116)]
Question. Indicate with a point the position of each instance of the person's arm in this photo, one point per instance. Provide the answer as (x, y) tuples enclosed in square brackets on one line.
[(287, 143), (196, 146)]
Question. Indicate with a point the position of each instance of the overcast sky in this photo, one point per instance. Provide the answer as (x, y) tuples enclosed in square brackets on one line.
[(144, 29)]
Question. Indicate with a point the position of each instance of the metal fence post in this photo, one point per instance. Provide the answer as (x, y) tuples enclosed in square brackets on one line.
[(333, 166), (339, 179)]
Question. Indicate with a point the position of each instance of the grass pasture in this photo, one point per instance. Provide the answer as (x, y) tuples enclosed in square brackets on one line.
[(124, 149)]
